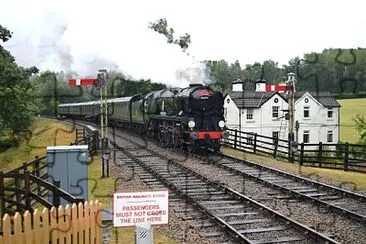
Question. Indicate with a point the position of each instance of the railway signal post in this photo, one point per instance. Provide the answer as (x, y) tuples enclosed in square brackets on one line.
[(102, 83), (290, 86)]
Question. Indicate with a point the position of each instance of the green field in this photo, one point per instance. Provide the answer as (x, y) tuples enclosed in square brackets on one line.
[(349, 109)]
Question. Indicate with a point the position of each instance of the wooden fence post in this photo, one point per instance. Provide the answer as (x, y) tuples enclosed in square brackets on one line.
[(302, 154), (235, 138), (320, 154), (27, 189), (18, 196), (255, 143), (346, 157), (38, 174), (276, 146)]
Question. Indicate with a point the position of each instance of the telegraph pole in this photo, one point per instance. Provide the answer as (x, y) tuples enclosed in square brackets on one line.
[(291, 103)]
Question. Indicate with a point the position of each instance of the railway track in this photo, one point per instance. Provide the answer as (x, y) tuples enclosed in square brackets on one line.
[(226, 210), (342, 201), (258, 173)]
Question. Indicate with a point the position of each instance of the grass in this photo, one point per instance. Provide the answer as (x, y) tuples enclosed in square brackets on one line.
[(352, 179), (349, 109), (42, 133), (47, 132)]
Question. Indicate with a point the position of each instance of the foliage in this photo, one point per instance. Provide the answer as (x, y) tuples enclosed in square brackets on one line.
[(339, 71), (161, 27), (5, 34), (224, 73), (361, 127), (16, 91), (123, 86), (52, 88)]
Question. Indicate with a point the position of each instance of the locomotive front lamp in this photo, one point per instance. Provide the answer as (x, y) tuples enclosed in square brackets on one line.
[(191, 124), (221, 123)]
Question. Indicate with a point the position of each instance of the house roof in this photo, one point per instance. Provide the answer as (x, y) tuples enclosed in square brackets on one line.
[(324, 97), (252, 99)]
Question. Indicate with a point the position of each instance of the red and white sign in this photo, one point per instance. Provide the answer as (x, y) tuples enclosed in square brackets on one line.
[(131, 208), (83, 82), (276, 88)]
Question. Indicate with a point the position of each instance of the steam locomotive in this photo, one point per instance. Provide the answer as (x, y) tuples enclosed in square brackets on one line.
[(191, 118)]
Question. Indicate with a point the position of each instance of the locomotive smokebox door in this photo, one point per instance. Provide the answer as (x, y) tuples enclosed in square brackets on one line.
[(69, 166)]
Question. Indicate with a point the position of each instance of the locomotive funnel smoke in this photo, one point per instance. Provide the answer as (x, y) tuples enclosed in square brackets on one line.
[(53, 52), (199, 74)]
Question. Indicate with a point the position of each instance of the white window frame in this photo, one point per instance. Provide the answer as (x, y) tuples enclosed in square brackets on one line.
[(307, 108), (330, 135), (250, 139), (330, 112), (306, 133), (250, 113), (277, 112)]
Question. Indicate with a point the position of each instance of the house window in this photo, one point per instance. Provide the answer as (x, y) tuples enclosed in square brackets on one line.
[(330, 113), (275, 134), (275, 111), (250, 139), (306, 112), (330, 136), (306, 136), (249, 114)]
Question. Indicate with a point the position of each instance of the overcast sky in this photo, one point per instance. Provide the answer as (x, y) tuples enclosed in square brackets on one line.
[(84, 36)]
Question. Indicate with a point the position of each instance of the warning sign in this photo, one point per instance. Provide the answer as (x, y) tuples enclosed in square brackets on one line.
[(131, 208)]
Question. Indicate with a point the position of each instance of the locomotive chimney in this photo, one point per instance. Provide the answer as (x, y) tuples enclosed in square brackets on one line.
[(237, 85), (195, 84), (260, 85)]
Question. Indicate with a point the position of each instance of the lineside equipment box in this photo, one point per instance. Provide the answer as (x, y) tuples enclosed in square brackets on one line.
[(69, 165)]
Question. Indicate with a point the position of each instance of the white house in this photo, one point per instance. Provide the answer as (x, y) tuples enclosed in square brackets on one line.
[(261, 112)]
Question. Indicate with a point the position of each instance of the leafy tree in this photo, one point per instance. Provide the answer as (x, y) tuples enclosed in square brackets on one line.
[(127, 87), (161, 27), (16, 91), (361, 127)]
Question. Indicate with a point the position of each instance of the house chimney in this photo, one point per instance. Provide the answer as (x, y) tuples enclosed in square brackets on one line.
[(237, 85), (260, 85)]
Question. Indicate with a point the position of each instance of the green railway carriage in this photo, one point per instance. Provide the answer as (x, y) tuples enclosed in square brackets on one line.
[(137, 113), (80, 110), (120, 109)]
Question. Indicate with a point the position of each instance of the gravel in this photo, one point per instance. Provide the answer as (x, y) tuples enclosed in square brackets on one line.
[(338, 227)]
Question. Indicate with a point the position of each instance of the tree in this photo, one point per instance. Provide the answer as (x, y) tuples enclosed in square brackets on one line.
[(16, 91), (161, 27), (360, 121)]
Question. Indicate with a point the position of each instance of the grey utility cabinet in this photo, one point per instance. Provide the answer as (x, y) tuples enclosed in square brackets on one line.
[(69, 165)]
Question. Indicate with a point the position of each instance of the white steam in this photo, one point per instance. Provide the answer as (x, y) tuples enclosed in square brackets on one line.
[(60, 43)]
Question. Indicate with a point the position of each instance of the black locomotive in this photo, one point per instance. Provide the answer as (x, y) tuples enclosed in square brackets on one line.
[(190, 118)]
